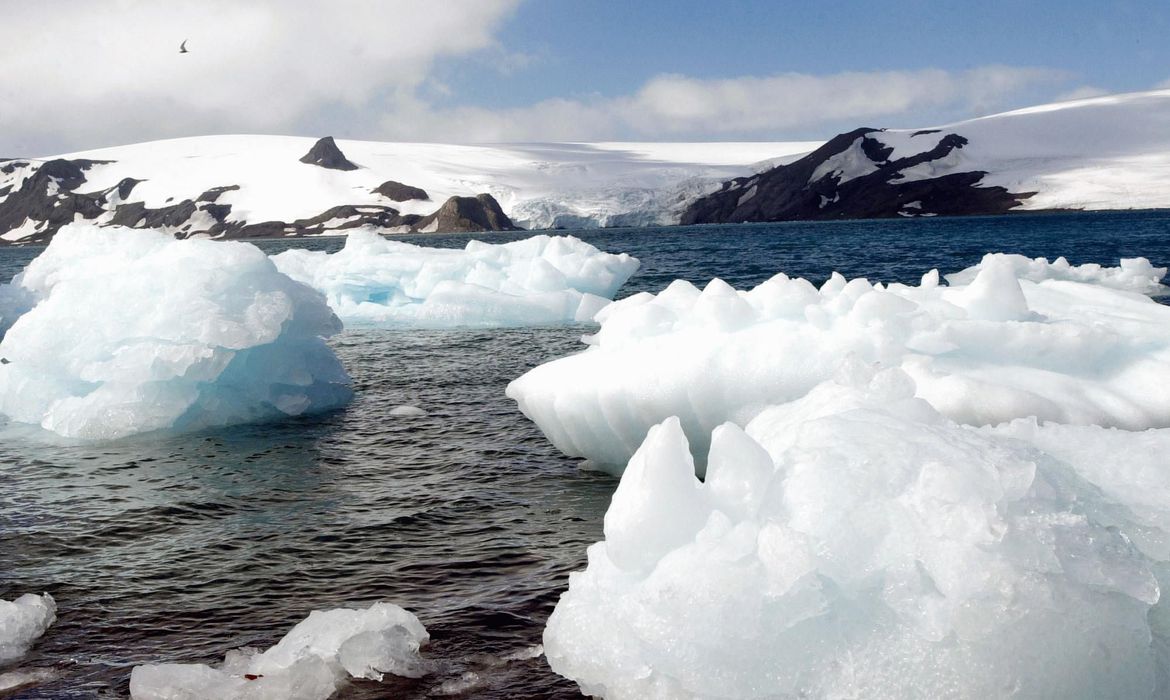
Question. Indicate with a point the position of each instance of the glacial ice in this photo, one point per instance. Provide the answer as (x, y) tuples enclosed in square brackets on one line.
[(536, 281), (855, 543), (22, 622), (133, 331), (1010, 338), (310, 663)]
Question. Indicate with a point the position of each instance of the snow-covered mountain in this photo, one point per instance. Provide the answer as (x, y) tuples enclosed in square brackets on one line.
[(248, 186), (1101, 153)]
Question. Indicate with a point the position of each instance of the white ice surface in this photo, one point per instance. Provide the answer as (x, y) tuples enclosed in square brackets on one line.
[(310, 663), (537, 281), (22, 622), (133, 331), (1109, 152), (987, 351), (857, 544), (539, 185)]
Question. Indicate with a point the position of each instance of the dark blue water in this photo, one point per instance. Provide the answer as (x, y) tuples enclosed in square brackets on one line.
[(181, 548)]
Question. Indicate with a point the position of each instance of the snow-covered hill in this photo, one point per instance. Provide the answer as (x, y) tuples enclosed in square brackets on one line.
[(257, 179), (1108, 152)]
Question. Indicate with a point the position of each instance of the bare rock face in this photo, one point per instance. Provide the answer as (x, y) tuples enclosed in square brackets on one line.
[(852, 176), (326, 154), (398, 192), (467, 214)]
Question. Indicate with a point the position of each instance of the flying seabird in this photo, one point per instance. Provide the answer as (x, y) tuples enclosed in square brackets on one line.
[(183, 47)]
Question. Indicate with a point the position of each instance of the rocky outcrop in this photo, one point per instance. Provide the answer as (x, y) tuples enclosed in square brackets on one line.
[(326, 154), (458, 214), (398, 192), (852, 176), (38, 198)]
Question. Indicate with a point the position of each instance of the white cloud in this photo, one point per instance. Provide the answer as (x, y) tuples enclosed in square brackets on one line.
[(79, 74), (1083, 92), (82, 72), (674, 106)]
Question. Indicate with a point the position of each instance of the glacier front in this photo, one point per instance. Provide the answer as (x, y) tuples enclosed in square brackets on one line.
[(856, 543), (130, 331), (541, 280), (1010, 338)]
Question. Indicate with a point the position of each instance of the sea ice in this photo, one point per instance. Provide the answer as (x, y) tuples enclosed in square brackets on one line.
[(1011, 338), (22, 622), (857, 543), (536, 281), (405, 411), (133, 331), (309, 663)]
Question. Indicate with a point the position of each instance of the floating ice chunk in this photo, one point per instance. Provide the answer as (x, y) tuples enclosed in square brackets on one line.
[(855, 543), (22, 622), (539, 280), (134, 331), (1133, 274), (983, 352), (407, 412), (309, 663)]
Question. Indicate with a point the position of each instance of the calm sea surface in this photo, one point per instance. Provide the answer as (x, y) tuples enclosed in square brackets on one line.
[(179, 548)]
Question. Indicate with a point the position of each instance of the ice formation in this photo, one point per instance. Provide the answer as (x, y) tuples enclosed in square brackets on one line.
[(855, 543), (540, 280), (133, 331), (1008, 339), (22, 622), (309, 663)]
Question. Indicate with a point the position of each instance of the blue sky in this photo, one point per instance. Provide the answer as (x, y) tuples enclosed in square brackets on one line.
[(524, 70)]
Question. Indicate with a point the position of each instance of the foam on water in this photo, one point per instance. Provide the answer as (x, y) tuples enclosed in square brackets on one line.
[(541, 280)]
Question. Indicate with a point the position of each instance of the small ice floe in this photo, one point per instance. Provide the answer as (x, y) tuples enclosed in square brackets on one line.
[(407, 411), (310, 663), (22, 622)]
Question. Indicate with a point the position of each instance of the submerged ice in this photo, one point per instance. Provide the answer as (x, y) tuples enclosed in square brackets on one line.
[(1010, 338), (536, 281), (22, 622), (310, 663), (857, 543), (131, 331)]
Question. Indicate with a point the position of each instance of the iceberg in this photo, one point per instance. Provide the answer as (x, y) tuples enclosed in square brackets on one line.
[(856, 542), (542, 280), (130, 331), (1010, 338), (22, 622), (310, 663)]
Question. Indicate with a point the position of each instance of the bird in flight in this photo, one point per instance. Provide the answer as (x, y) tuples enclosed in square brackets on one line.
[(183, 47)]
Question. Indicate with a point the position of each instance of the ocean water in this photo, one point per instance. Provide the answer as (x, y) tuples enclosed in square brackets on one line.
[(179, 548)]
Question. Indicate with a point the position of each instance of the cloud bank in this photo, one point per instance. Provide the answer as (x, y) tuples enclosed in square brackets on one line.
[(82, 75)]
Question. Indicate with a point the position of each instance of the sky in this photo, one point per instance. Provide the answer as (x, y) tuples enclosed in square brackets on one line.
[(82, 74)]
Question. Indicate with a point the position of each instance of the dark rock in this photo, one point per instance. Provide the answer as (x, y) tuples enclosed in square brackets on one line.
[(326, 154), (789, 192), (458, 214), (394, 190), (213, 194)]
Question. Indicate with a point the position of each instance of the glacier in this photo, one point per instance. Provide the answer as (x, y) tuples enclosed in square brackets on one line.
[(856, 542), (541, 280), (1010, 338), (311, 662), (130, 331), (22, 622)]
